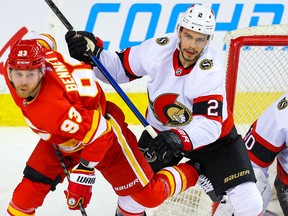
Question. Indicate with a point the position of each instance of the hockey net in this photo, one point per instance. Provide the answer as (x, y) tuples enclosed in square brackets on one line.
[(256, 75), (257, 71)]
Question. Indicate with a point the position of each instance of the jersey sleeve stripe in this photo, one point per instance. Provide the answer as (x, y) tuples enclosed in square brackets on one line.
[(124, 58)]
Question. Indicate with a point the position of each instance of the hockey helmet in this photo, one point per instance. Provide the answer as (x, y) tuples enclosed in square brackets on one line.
[(26, 55), (198, 18)]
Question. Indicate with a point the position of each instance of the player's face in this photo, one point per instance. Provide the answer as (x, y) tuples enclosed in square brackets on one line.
[(191, 46), (26, 82)]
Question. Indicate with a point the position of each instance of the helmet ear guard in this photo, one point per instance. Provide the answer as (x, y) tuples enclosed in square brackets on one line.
[(200, 19)]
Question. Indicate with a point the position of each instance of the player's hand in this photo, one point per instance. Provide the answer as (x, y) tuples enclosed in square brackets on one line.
[(80, 188), (79, 42), (170, 143)]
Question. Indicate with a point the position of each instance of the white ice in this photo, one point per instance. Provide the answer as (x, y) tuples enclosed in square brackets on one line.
[(16, 145)]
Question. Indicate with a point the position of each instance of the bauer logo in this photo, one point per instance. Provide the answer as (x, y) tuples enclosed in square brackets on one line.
[(160, 17), (236, 175), (127, 186)]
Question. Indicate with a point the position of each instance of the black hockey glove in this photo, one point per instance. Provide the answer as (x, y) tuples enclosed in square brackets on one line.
[(145, 143), (170, 143), (79, 42)]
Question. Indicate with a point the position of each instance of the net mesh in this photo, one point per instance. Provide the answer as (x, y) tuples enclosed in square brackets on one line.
[(261, 73)]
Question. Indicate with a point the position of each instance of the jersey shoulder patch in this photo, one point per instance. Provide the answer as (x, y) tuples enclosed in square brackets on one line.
[(162, 41), (282, 104), (206, 64)]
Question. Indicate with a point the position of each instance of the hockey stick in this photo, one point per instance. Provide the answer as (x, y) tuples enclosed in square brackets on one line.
[(62, 162), (104, 71)]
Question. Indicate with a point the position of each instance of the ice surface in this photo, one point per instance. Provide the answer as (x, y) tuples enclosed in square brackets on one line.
[(16, 145)]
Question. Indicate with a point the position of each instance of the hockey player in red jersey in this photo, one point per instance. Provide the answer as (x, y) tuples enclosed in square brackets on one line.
[(266, 141), (63, 103), (187, 103)]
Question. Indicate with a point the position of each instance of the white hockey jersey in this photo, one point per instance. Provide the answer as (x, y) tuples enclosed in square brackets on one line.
[(268, 138), (193, 99)]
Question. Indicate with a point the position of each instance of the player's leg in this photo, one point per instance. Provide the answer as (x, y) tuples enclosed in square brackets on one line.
[(225, 208), (245, 199), (130, 174), (41, 174), (282, 191), (127, 206), (263, 187), (227, 165), (167, 182)]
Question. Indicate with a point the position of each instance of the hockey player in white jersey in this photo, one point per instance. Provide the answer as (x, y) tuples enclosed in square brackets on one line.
[(187, 103), (266, 141)]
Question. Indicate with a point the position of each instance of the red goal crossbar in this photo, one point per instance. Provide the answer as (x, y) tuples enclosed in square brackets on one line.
[(234, 55)]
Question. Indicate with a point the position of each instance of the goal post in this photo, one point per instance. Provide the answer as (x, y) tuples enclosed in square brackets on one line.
[(233, 58), (256, 62), (256, 71)]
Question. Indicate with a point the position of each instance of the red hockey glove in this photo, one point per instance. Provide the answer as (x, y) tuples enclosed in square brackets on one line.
[(80, 188), (79, 42), (170, 143)]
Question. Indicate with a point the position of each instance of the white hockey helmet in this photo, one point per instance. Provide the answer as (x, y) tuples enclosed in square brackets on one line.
[(198, 18)]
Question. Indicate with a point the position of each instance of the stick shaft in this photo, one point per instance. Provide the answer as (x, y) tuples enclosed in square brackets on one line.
[(62, 162), (59, 14)]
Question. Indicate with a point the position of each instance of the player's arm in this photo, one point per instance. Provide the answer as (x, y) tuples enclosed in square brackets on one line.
[(206, 125), (80, 117), (201, 131), (79, 42), (123, 66), (94, 132), (209, 110)]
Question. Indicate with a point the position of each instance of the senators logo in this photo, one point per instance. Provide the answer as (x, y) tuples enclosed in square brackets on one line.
[(206, 64), (169, 111), (162, 41), (282, 104)]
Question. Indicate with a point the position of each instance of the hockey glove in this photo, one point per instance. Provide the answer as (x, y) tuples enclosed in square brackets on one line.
[(79, 42), (80, 188), (170, 143), (145, 143)]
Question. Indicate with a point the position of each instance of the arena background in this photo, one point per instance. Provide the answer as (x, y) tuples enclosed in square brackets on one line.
[(120, 24)]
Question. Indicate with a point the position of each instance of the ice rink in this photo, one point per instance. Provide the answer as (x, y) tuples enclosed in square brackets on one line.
[(18, 142)]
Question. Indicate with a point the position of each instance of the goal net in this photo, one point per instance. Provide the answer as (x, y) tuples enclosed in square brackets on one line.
[(256, 75), (257, 71)]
